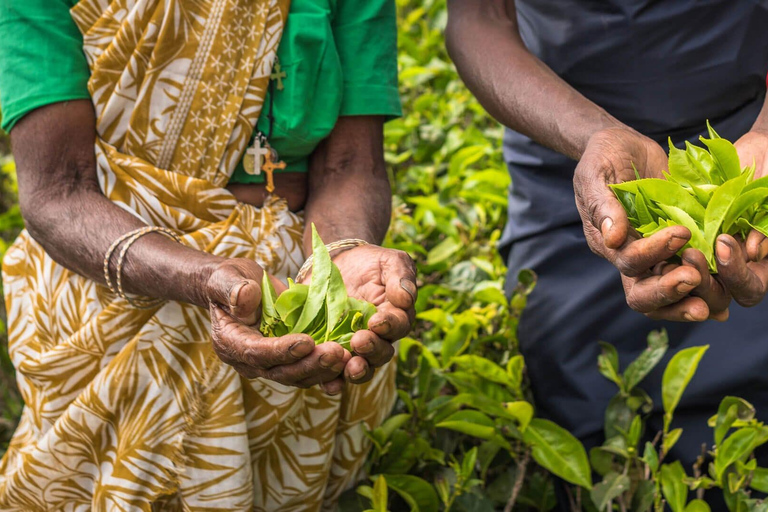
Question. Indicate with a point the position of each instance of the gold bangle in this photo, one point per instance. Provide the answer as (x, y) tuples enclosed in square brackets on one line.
[(129, 239), (347, 243)]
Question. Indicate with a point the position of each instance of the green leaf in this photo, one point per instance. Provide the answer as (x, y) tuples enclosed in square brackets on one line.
[(318, 287), (416, 492), (556, 450), (722, 199), (442, 251), (515, 367), (725, 156), (472, 423), (647, 360), (650, 457), (485, 368), (608, 364), (734, 448), (697, 241), (744, 202), (760, 480), (643, 497), (337, 301), (457, 340), (380, 495), (673, 486), (677, 375), (683, 169), (731, 409), (612, 486), (671, 439), (697, 506)]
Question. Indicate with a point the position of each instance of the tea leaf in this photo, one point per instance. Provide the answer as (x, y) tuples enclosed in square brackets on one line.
[(677, 375), (555, 449), (647, 360), (416, 492), (318, 287), (718, 207), (612, 486), (673, 486), (725, 157), (697, 506)]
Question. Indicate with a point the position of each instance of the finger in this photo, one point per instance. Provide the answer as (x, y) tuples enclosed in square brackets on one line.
[(651, 293), (399, 276), (757, 245), (390, 323), (599, 207), (325, 363), (325, 379), (238, 343), (747, 282), (689, 309), (333, 387), (710, 289), (239, 296), (358, 371), (638, 256), (374, 349)]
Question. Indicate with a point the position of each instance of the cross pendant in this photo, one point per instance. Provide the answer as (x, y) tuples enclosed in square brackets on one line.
[(278, 74), (269, 169), (252, 161)]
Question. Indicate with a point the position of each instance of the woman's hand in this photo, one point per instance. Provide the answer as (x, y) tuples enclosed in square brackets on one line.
[(387, 279), (234, 296), (652, 286)]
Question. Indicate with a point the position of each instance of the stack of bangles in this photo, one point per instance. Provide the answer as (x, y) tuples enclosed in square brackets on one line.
[(129, 238)]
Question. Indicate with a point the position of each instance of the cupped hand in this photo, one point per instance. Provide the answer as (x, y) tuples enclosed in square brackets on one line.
[(234, 298), (652, 286), (387, 279)]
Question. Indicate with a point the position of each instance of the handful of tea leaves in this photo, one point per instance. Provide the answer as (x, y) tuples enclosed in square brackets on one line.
[(705, 190), (323, 310)]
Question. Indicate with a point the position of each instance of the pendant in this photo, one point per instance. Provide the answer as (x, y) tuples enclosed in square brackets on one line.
[(254, 157), (278, 74), (271, 163)]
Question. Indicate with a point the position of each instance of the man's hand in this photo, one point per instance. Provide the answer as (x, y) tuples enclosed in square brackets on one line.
[(234, 295), (741, 265), (652, 286), (387, 279)]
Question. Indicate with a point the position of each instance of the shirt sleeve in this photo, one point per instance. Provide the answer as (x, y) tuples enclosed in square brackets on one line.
[(41, 57), (365, 33)]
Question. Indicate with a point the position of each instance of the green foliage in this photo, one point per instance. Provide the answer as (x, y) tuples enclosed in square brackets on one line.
[(705, 191), (323, 310)]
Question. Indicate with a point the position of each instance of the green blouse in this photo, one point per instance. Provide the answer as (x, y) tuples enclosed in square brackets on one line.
[(339, 58)]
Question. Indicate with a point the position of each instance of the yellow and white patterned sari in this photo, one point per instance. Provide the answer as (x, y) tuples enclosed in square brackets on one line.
[(131, 410)]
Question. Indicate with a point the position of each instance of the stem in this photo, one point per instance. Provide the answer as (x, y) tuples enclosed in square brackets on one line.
[(622, 505), (697, 469), (519, 478), (578, 498), (571, 503)]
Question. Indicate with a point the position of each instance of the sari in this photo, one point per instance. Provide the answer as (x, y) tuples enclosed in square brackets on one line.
[(130, 409)]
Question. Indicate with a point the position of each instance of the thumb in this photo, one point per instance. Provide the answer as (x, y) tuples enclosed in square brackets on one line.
[(611, 219), (238, 295)]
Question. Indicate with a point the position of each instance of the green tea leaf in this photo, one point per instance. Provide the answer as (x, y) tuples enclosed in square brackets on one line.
[(743, 202), (759, 480), (677, 375), (697, 241), (697, 506), (718, 207), (336, 300), (673, 486), (416, 492), (555, 449), (318, 287), (612, 486), (472, 423), (650, 457), (647, 360), (683, 170), (725, 157), (737, 445)]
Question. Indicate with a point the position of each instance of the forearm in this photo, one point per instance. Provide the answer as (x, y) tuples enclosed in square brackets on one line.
[(761, 123), (349, 191), (514, 86), (75, 223)]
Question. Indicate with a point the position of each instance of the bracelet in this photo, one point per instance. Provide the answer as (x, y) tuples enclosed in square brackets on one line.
[(129, 238), (347, 243)]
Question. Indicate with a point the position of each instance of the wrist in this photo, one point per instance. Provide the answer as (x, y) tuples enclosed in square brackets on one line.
[(198, 287)]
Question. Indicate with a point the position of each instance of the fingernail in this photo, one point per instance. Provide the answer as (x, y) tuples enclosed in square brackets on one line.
[(676, 243), (684, 287), (606, 226), (300, 349), (723, 252), (234, 293), (327, 360), (338, 367), (688, 317), (409, 287), (358, 375), (328, 391), (365, 349), (382, 327)]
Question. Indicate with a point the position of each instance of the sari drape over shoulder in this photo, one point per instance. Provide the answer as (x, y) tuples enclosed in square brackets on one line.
[(130, 409)]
